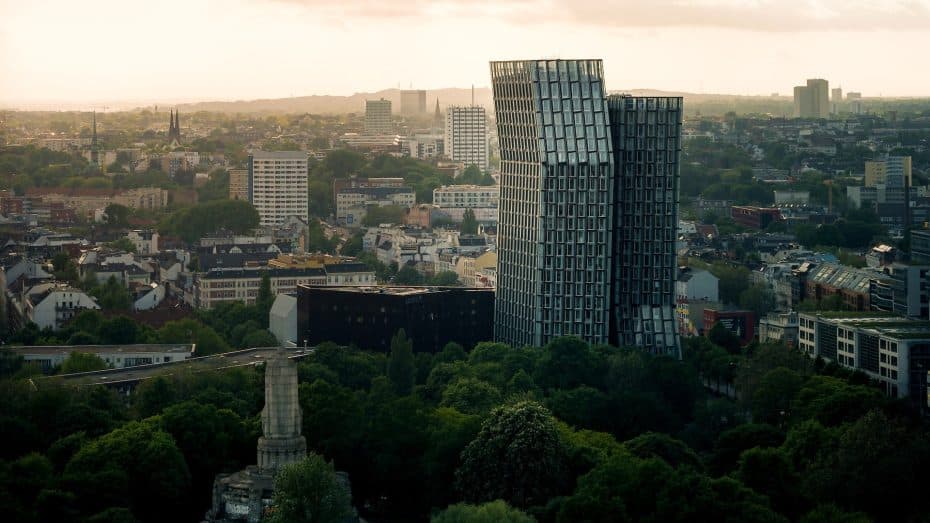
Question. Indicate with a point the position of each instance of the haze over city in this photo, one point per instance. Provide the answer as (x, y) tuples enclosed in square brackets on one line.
[(110, 52)]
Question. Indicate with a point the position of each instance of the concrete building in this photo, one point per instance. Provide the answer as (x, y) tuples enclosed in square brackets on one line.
[(588, 208), (242, 283), (812, 100), (369, 317), (779, 328), (378, 117), (412, 102), (145, 241), (466, 136), (51, 305), (466, 196), (239, 184), (278, 185), (426, 146), (792, 197), (48, 357), (892, 171), (696, 284), (889, 348), (352, 203)]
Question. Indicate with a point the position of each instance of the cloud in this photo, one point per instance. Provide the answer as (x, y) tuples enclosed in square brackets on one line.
[(755, 15)]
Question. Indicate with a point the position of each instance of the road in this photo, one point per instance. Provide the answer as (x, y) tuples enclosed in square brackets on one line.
[(128, 377)]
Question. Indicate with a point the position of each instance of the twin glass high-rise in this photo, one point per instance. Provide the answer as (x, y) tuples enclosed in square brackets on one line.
[(588, 208)]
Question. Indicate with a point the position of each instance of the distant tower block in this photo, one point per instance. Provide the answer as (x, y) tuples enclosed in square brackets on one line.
[(282, 442)]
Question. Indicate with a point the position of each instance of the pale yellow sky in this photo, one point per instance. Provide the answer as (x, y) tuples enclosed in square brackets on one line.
[(98, 51)]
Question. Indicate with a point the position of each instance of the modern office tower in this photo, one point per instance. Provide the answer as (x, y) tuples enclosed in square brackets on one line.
[(239, 184), (467, 135), (837, 94), (811, 100), (378, 116), (413, 102), (852, 95), (588, 208), (278, 185)]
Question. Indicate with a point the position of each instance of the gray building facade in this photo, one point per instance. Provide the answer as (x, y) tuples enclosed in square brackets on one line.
[(588, 208)]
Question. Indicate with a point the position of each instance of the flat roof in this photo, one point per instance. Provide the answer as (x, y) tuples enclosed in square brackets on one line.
[(395, 290), (96, 349)]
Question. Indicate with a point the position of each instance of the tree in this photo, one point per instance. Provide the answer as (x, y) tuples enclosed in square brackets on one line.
[(123, 244), (265, 298), (445, 279), (259, 338), (117, 215), (317, 240), (82, 362), (768, 471), (493, 512), (675, 452), (112, 295), (759, 299), (469, 223), (401, 365), (192, 223), (407, 275), (310, 492), (353, 246), (376, 215), (470, 396), (137, 464), (518, 456)]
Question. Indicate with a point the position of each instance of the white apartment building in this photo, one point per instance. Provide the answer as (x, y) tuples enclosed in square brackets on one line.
[(467, 196), (467, 136), (378, 116), (278, 185), (52, 305)]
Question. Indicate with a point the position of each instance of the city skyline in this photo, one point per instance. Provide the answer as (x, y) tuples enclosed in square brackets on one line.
[(193, 51)]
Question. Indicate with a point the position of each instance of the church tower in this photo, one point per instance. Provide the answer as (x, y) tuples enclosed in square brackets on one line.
[(174, 129)]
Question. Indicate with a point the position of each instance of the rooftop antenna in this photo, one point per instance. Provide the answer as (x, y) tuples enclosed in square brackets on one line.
[(472, 95)]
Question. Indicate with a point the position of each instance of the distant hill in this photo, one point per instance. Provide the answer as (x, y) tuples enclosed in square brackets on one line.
[(695, 103), (327, 104)]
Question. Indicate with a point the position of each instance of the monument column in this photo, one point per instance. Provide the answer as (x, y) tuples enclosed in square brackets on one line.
[(281, 443)]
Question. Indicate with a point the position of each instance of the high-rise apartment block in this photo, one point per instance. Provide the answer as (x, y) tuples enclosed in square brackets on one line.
[(467, 135), (588, 208), (836, 94), (278, 185), (413, 102), (239, 184), (378, 116), (812, 100)]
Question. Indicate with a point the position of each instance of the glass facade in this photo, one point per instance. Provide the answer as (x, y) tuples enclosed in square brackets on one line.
[(588, 208)]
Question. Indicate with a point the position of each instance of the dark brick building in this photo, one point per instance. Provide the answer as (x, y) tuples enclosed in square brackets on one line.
[(369, 316)]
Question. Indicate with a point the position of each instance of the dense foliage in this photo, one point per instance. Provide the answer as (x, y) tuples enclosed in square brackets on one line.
[(562, 433)]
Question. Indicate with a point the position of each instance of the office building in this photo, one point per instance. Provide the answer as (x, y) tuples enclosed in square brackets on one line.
[(378, 117), (588, 208), (836, 94), (467, 196), (368, 317), (239, 184), (812, 100), (354, 196), (413, 102), (852, 95), (891, 171), (466, 136), (890, 349), (278, 185)]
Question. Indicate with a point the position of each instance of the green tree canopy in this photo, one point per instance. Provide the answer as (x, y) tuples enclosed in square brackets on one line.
[(518, 457), (310, 492)]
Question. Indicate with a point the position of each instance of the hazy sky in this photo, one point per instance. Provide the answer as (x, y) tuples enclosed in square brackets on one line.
[(91, 51)]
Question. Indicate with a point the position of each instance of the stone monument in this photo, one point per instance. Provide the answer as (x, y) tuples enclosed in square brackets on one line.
[(245, 496)]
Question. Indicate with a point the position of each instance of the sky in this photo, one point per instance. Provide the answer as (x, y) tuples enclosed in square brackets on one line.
[(97, 52)]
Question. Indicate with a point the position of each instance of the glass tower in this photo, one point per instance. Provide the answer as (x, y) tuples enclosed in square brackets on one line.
[(588, 208)]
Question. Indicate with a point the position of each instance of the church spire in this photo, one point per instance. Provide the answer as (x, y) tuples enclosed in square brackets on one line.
[(174, 128)]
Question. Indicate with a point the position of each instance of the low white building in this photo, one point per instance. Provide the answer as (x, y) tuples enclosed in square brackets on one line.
[(116, 356)]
